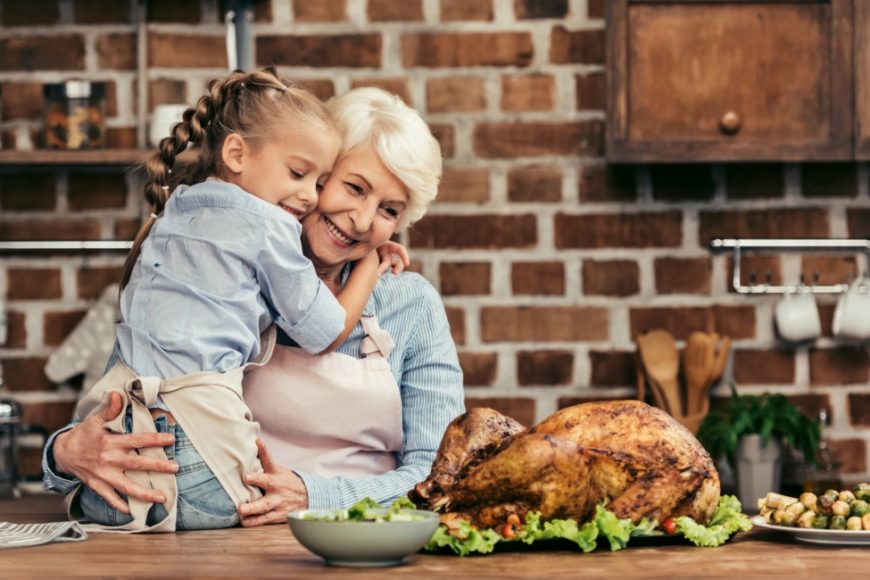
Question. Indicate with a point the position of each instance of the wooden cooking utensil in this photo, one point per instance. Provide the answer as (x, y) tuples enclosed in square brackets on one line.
[(642, 381), (720, 361), (698, 362), (661, 360)]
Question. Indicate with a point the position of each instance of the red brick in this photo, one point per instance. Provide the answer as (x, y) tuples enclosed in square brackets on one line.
[(639, 230), (33, 283), (111, 99), (50, 415), (29, 13), (764, 223), (116, 51), (610, 278), (173, 11), (187, 51), (28, 191), (545, 367), (591, 91), (576, 46), (455, 94), (859, 409), (478, 369), (456, 319), (320, 11), (840, 366), (538, 278), (16, 331), (755, 180), (829, 268), (829, 179), (320, 51), (544, 323), (21, 100), (683, 275), (850, 454), (453, 49), (682, 182), (858, 219), (126, 229), (764, 367), (521, 409), (478, 231), (50, 230), (166, 92), (445, 135), (826, 317), (527, 9), (756, 269), (395, 86), (452, 10), (534, 183), (89, 191), (58, 53), (612, 368), (596, 8), (324, 89), (25, 374), (121, 138), (607, 183), (391, 11), (738, 322), (56, 326), (533, 138), (92, 280), (100, 12), (535, 92), (464, 185), (465, 278), (812, 405)]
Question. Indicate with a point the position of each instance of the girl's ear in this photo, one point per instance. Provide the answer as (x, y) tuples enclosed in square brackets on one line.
[(233, 152)]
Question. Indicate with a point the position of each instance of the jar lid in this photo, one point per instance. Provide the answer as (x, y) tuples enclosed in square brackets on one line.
[(10, 411), (74, 89)]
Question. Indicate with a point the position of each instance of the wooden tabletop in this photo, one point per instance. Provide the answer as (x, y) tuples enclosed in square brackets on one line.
[(272, 552)]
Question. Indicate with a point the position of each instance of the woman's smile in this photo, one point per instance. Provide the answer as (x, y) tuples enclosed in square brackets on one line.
[(337, 233)]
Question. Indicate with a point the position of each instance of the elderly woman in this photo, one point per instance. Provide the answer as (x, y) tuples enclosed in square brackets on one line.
[(365, 420)]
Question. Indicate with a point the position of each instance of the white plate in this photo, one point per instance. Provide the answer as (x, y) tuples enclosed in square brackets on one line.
[(814, 536)]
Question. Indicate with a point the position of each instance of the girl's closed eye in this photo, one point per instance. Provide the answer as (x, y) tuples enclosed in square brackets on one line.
[(297, 174)]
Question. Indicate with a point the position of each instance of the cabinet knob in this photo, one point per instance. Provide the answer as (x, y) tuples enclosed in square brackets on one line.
[(729, 124)]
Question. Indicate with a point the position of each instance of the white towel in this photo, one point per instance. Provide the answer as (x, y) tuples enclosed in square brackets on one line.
[(22, 535)]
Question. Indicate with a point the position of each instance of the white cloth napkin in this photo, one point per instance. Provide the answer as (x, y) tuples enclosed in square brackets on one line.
[(22, 535)]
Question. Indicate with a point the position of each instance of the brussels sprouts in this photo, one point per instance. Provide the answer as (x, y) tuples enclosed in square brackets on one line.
[(846, 496), (821, 521), (840, 508), (838, 523), (809, 500), (853, 523), (859, 508), (865, 521), (796, 509), (806, 519)]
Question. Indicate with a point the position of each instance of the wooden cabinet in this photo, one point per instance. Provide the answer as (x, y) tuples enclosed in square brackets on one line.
[(719, 80)]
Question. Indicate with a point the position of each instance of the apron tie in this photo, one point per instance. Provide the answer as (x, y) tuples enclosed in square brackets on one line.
[(377, 340)]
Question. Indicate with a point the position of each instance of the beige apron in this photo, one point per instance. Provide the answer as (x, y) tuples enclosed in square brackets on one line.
[(330, 414), (210, 409)]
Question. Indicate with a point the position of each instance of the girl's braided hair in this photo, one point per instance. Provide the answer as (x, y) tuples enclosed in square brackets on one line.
[(255, 105)]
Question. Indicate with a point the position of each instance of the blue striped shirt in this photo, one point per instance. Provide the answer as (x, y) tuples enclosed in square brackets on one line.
[(426, 368)]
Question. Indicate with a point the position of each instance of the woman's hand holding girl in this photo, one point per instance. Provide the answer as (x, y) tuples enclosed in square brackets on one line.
[(284, 492)]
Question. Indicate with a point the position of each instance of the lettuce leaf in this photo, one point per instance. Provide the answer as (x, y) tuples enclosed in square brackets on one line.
[(727, 519)]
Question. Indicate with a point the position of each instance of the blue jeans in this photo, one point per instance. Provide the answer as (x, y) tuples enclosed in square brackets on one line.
[(202, 502)]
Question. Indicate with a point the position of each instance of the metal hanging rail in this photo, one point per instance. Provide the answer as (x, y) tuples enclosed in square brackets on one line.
[(65, 246), (737, 245)]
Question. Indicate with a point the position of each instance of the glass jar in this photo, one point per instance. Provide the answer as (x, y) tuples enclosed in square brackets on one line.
[(75, 115)]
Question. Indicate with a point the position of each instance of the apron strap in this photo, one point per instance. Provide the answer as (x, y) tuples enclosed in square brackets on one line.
[(377, 341)]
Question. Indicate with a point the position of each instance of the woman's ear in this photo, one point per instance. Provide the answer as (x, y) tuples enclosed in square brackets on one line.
[(233, 152)]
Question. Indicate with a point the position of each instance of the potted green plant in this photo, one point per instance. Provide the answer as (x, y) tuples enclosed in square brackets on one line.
[(750, 432)]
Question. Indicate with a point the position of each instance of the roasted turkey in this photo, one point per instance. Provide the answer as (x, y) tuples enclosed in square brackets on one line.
[(638, 457)]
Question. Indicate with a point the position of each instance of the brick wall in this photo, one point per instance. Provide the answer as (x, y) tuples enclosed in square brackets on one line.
[(548, 259)]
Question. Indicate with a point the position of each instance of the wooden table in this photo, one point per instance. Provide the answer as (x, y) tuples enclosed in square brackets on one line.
[(272, 552)]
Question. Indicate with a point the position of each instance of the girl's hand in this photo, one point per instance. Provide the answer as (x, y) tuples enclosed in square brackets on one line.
[(393, 256), (284, 492), (100, 458)]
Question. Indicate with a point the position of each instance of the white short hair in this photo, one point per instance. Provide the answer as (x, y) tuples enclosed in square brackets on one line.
[(372, 117)]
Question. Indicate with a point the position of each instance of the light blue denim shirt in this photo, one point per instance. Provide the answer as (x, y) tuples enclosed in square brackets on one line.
[(426, 367), (218, 267)]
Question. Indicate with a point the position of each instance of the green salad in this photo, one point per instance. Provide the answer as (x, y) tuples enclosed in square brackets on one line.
[(368, 510), (726, 521)]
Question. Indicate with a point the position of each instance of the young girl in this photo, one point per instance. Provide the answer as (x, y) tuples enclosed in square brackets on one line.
[(217, 263)]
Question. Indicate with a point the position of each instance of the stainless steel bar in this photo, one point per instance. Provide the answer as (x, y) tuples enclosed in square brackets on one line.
[(795, 244), (65, 246)]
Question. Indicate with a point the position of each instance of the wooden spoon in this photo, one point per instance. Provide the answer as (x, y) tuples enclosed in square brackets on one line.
[(720, 361), (698, 364), (660, 357)]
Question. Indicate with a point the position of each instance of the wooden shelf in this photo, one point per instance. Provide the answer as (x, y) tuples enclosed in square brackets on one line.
[(88, 157)]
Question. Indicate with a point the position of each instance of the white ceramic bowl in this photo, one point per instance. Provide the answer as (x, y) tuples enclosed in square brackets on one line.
[(355, 543)]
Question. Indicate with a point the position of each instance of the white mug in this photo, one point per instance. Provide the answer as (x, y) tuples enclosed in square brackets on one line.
[(852, 314), (797, 317), (162, 120)]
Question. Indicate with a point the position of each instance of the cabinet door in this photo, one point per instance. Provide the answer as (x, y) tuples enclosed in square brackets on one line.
[(862, 79), (729, 80)]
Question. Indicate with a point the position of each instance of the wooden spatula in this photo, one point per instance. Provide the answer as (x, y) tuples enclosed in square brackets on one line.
[(698, 361), (660, 357)]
